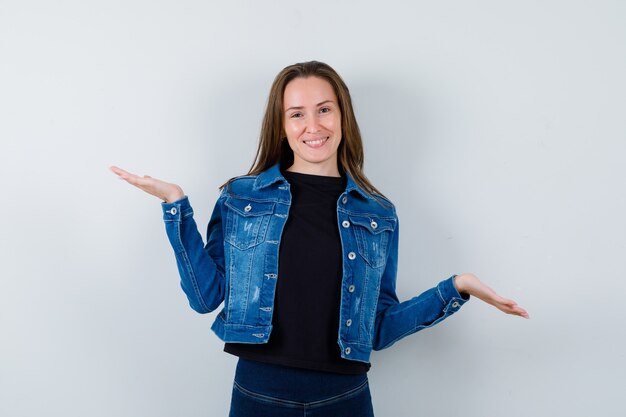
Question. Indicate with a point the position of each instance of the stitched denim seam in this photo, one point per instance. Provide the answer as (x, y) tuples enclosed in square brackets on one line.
[(192, 275), (391, 217), (414, 330), (295, 404), (344, 396), (440, 295), (267, 398)]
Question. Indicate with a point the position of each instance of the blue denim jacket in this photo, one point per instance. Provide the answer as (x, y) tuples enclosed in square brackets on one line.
[(239, 265)]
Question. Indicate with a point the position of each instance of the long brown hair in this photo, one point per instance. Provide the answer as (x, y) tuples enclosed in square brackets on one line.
[(273, 147)]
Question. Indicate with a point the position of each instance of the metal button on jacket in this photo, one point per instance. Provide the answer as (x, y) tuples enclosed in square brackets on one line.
[(345, 223), (351, 256)]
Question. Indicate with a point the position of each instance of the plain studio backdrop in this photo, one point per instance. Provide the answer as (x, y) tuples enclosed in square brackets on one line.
[(497, 128)]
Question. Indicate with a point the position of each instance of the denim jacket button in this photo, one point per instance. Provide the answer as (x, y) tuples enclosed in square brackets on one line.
[(351, 288), (348, 350), (374, 224), (455, 304), (351, 256), (345, 223), (173, 210), (344, 200), (247, 208), (349, 322)]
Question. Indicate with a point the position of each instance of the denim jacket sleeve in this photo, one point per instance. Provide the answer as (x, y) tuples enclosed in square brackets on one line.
[(201, 267), (395, 320)]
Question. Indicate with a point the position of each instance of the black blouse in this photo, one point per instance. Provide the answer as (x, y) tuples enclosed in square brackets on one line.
[(308, 290)]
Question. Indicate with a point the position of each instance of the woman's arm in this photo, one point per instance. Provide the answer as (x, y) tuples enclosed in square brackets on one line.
[(201, 267), (396, 320)]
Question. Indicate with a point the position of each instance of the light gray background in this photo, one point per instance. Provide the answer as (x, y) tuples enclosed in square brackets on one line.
[(497, 128)]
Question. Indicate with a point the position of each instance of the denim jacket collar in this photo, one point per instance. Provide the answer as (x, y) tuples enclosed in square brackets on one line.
[(273, 175)]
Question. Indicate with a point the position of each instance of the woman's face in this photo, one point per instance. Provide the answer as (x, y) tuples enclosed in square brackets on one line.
[(312, 123)]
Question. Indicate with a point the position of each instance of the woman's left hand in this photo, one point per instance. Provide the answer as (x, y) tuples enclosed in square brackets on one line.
[(470, 284)]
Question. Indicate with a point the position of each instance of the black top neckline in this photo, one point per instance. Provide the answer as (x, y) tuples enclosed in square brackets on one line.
[(314, 178)]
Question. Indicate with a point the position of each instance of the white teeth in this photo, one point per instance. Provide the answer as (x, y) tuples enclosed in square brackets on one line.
[(315, 142)]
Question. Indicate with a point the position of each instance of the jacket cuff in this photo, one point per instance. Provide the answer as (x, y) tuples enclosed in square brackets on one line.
[(450, 296), (176, 210)]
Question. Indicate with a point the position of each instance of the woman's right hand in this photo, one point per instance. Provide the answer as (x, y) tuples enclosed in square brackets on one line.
[(470, 284), (166, 191)]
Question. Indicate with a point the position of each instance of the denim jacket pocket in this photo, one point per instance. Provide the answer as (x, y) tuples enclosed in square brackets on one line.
[(372, 235), (246, 221)]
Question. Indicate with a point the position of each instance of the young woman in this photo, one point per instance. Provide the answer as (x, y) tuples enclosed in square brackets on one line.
[(303, 252)]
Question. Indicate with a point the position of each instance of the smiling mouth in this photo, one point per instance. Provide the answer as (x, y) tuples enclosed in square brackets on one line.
[(316, 142)]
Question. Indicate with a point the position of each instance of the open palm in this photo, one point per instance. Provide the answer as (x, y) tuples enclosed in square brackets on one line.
[(166, 191), (470, 284)]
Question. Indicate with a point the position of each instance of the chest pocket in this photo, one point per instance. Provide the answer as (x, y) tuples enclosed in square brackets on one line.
[(372, 236), (247, 222)]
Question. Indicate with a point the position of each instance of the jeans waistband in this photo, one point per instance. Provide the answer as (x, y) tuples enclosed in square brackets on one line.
[(295, 384)]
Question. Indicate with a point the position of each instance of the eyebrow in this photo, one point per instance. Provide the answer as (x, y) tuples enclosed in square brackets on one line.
[(301, 107)]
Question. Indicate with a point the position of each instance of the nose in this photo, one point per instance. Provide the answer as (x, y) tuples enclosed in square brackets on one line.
[(313, 125)]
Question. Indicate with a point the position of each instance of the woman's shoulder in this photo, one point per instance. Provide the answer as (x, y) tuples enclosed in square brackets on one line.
[(385, 202), (241, 184), (384, 206), (369, 205), (255, 186), (242, 179)]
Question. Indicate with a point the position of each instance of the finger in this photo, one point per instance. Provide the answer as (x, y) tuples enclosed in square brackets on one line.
[(118, 170), (133, 179), (143, 183), (509, 303), (122, 174), (521, 312), (498, 301), (518, 311)]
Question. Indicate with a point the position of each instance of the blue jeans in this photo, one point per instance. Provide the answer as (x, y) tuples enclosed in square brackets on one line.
[(262, 389)]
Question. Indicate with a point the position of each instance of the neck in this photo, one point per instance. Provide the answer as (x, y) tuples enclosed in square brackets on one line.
[(328, 170)]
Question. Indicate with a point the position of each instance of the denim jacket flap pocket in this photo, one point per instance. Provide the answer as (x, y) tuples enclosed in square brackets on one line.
[(247, 221), (374, 224), (247, 207), (373, 235)]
